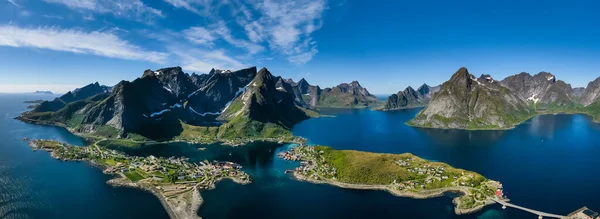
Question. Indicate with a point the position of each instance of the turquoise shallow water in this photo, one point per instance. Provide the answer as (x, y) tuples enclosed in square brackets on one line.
[(547, 163)]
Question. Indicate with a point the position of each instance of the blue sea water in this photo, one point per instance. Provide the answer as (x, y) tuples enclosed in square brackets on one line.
[(34, 185), (548, 163)]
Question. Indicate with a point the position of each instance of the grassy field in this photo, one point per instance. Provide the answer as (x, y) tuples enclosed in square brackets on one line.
[(381, 169), (133, 176), (47, 144), (239, 129)]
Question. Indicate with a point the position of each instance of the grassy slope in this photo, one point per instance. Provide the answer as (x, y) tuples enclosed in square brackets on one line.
[(239, 130), (381, 169)]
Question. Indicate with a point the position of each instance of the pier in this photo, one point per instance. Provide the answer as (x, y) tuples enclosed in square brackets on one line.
[(539, 213)]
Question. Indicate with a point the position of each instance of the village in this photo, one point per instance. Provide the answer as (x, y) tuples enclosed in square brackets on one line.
[(415, 177), (152, 170)]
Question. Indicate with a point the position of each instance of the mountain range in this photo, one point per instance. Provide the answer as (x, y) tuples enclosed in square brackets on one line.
[(344, 95), (222, 105), (410, 97), (467, 102)]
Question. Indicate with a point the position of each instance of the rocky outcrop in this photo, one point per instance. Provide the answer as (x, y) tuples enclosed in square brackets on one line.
[(405, 99), (466, 102), (542, 89), (262, 101), (346, 95), (410, 98), (591, 93)]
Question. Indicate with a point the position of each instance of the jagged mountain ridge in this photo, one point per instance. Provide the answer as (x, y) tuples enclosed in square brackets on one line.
[(410, 97), (466, 102), (154, 104), (541, 89), (591, 93), (263, 101), (72, 96)]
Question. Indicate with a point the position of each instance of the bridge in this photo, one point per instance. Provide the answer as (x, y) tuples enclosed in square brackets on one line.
[(539, 213)]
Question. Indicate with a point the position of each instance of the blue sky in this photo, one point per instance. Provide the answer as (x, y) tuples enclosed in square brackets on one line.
[(59, 45)]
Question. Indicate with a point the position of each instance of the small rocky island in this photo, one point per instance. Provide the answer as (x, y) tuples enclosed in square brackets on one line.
[(175, 181), (402, 175)]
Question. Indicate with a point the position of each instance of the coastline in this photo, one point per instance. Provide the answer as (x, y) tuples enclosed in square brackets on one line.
[(408, 123), (433, 194), (178, 204), (89, 137)]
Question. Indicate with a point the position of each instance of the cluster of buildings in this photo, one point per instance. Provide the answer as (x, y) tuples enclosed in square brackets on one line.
[(430, 174), (313, 164), (170, 169), (584, 213)]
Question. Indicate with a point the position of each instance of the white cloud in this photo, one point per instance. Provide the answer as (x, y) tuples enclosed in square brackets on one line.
[(285, 25), (303, 57), (52, 16), (199, 60), (203, 36), (13, 2), (70, 40), (135, 9), (200, 7), (199, 35)]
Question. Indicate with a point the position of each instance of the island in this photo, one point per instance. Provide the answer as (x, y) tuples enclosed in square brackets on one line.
[(175, 181), (43, 92), (402, 175)]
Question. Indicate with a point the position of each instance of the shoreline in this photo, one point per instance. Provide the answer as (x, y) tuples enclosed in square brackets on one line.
[(178, 204), (594, 119), (433, 194), (88, 138)]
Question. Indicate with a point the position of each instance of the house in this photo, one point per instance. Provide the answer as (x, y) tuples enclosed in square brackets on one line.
[(584, 213)]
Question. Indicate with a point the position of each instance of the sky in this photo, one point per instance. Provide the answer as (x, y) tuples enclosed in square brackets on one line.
[(60, 45)]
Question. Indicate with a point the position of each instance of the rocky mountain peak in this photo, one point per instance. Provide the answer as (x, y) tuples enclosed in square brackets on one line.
[(591, 92), (486, 78), (355, 84), (545, 76)]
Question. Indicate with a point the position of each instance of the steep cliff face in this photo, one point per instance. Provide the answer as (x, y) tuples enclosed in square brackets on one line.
[(404, 99), (466, 102), (542, 89), (410, 98), (591, 93), (427, 91), (263, 102), (156, 104)]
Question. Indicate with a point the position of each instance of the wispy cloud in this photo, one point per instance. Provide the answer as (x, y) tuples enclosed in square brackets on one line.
[(52, 16), (191, 57), (286, 26), (76, 41), (200, 7), (283, 26), (199, 60), (134, 9), (200, 36), (14, 2), (289, 25), (303, 57), (204, 36)]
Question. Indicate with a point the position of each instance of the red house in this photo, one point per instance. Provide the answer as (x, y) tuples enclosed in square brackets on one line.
[(498, 193)]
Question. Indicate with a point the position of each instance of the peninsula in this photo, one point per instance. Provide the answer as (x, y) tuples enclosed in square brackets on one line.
[(175, 181), (402, 175)]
